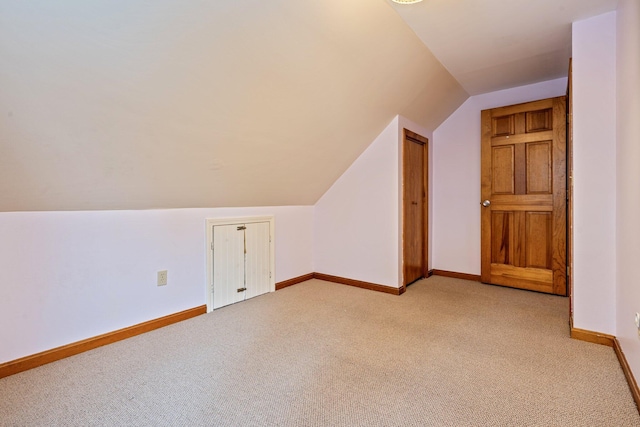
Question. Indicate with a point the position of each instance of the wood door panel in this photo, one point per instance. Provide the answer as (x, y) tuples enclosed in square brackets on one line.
[(538, 171), (538, 240), (540, 120), (503, 170), (508, 230), (536, 274), (523, 176), (532, 279), (503, 125), (502, 229)]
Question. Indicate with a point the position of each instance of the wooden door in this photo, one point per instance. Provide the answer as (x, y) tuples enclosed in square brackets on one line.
[(414, 236), (524, 193), (570, 191)]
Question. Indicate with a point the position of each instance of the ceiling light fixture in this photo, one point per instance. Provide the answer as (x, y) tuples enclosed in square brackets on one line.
[(406, 1)]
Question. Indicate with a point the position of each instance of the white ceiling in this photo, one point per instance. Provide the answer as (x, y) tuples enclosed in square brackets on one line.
[(489, 45)]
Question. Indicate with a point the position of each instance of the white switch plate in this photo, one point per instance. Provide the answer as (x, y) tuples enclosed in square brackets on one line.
[(162, 278)]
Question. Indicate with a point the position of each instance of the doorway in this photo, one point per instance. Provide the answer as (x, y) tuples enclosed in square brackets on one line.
[(414, 207)]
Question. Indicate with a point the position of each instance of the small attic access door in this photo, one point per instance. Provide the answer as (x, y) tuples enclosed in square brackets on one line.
[(240, 261)]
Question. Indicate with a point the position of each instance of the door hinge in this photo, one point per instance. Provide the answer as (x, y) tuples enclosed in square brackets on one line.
[(567, 195), (242, 227), (211, 245), (568, 271)]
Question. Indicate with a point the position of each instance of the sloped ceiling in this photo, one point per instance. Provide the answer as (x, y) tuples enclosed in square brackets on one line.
[(488, 45), (109, 104)]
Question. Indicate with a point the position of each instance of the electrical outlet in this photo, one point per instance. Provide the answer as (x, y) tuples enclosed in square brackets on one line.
[(638, 323), (162, 278)]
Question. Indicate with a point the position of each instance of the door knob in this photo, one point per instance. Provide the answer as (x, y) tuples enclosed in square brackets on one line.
[(486, 203)]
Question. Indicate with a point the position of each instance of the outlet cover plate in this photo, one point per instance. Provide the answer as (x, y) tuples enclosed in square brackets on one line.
[(162, 278)]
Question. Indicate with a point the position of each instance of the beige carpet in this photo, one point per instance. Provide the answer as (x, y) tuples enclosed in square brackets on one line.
[(446, 353)]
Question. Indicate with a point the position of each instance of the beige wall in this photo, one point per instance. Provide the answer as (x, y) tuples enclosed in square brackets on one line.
[(174, 104)]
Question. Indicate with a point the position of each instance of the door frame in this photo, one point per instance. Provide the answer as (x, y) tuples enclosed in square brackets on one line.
[(210, 223), (411, 136), (570, 248)]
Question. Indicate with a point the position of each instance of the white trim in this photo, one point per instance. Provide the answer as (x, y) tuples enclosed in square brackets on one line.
[(210, 223)]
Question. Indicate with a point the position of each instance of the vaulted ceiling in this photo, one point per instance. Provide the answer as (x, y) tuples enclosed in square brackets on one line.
[(488, 45), (134, 104), (114, 104)]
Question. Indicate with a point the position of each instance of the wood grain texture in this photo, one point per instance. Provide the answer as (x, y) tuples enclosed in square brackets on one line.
[(528, 202), (293, 281), (539, 280), (537, 235), (39, 359), (359, 284), (520, 177), (633, 384), (485, 194), (455, 275), (523, 108), (523, 175), (414, 207), (521, 139), (413, 211), (503, 169), (538, 170), (559, 239), (537, 121), (415, 137), (503, 126), (593, 337), (343, 281), (570, 189)]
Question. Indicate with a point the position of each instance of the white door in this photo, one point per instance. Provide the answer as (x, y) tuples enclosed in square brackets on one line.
[(258, 263), (228, 264), (241, 262)]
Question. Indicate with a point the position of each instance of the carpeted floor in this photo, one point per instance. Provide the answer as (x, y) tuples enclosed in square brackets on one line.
[(446, 353)]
